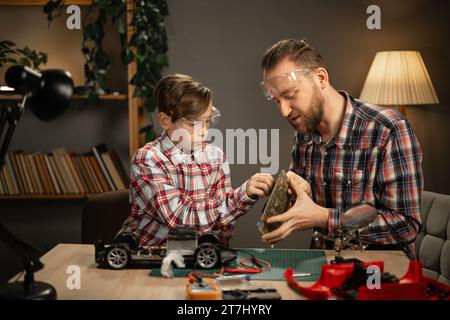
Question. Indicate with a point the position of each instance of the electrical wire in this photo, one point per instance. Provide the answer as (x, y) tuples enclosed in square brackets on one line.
[(257, 266)]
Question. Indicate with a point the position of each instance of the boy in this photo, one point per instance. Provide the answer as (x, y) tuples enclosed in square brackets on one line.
[(179, 180)]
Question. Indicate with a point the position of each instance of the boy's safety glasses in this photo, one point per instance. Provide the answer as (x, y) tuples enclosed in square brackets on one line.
[(210, 122)]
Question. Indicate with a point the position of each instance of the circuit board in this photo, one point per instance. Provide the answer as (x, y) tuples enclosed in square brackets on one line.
[(278, 203)]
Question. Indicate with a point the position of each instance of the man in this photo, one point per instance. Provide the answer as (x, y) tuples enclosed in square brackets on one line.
[(345, 153)]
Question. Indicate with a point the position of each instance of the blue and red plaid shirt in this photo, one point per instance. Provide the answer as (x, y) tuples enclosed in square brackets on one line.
[(170, 189), (375, 159)]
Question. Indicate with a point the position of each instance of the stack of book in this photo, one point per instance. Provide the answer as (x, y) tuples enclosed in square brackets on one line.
[(61, 172)]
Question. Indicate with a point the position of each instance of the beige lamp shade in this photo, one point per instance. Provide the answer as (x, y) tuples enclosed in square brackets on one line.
[(398, 78)]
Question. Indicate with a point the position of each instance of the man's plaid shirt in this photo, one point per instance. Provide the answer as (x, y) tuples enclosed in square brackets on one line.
[(170, 188), (375, 158)]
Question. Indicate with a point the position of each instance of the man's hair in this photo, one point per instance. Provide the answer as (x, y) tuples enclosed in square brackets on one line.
[(180, 96), (299, 51)]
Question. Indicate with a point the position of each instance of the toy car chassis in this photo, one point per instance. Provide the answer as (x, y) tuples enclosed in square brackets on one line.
[(202, 251)]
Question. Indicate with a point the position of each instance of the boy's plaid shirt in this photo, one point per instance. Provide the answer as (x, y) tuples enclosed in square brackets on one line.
[(376, 159), (170, 189)]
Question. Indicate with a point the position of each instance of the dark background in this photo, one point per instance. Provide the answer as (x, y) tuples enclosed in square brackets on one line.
[(221, 43)]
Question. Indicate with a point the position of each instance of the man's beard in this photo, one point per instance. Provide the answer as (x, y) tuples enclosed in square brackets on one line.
[(311, 120)]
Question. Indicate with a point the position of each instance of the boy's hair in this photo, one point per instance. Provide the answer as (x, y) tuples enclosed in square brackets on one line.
[(180, 96), (299, 51)]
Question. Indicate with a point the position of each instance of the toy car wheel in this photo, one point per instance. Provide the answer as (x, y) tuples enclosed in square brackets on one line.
[(117, 257), (207, 256)]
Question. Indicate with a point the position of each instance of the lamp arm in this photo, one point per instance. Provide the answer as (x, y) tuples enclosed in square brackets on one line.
[(28, 253), (9, 118), (51, 99)]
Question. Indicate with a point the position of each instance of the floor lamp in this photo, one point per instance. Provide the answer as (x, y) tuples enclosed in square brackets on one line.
[(398, 78)]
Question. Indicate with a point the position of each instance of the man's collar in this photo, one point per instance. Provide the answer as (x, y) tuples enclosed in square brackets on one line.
[(340, 139)]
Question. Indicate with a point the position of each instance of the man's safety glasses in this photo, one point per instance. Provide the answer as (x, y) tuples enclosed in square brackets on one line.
[(283, 85)]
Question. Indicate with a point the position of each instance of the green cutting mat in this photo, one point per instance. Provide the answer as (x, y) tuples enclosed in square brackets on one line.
[(302, 261)]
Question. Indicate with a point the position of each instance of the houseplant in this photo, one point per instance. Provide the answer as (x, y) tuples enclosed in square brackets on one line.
[(11, 53)]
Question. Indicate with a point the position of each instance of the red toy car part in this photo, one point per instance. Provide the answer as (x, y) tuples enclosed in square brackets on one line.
[(412, 286)]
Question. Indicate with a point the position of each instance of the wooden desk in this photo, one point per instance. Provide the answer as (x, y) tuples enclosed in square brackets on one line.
[(137, 284)]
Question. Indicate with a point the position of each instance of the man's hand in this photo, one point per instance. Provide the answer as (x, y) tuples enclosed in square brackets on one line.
[(259, 185), (304, 214), (297, 182)]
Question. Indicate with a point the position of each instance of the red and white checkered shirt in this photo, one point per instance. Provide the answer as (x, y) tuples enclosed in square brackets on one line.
[(374, 159), (170, 189)]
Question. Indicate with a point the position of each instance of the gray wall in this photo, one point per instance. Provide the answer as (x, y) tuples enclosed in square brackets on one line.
[(221, 43)]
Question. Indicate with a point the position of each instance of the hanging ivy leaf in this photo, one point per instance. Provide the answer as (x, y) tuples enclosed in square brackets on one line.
[(51, 5), (88, 32), (151, 134), (102, 60), (127, 56)]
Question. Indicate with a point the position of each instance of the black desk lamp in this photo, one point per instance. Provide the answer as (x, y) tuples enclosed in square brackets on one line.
[(48, 95)]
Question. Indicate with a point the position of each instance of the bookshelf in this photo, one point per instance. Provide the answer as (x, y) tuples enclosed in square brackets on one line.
[(106, 97), (46, 197), (136, 114), (61, 174), (41, 2)]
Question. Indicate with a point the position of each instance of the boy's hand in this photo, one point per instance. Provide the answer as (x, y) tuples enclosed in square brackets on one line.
[(259, 185)]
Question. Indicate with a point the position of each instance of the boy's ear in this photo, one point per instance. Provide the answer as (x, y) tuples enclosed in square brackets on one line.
[(164, 120)]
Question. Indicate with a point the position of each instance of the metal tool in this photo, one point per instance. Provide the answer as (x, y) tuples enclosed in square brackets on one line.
[(353, 222)]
